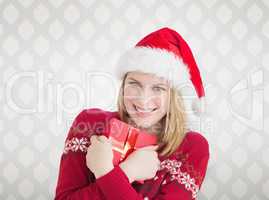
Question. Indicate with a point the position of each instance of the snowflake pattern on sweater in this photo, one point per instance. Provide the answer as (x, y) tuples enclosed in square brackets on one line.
[(174, 169), (76, 144)]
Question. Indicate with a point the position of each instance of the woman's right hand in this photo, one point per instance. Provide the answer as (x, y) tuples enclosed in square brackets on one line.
[(141, 164)]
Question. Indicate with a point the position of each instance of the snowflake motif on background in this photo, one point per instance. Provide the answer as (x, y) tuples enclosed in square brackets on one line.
[(173, 167), (76, 144)]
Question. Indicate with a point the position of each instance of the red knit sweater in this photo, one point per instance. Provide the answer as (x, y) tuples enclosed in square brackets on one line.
[(180, 176)]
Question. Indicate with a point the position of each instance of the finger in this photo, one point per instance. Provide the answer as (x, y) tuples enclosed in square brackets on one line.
[(102, 138), (159, 165), (151, 147), (110, 140), (93, 139)]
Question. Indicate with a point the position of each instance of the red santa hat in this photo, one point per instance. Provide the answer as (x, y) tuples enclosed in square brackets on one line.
[(165, 53)]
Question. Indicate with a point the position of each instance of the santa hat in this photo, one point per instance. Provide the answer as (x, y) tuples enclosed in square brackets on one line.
[(165, 53)]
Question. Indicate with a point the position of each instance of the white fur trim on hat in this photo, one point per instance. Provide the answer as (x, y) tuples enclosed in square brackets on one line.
[(157, 61), (199, 106)]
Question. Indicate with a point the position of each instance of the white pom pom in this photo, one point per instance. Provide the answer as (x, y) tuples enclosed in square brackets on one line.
[(199, 106)]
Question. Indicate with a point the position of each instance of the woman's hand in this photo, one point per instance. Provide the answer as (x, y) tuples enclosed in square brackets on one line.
[(141, 164), (99, 157)]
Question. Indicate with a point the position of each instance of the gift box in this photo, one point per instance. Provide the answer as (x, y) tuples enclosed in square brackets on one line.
[(126, 138)]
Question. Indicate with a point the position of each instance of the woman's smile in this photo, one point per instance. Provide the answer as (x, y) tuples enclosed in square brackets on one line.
[(141, 112)]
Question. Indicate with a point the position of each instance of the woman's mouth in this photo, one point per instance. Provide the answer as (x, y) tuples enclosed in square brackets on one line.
[(143, 112)]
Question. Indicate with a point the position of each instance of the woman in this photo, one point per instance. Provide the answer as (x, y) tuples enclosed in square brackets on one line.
[(150, 98)]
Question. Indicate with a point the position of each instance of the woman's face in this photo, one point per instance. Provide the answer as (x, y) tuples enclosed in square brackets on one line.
[(146, 98)]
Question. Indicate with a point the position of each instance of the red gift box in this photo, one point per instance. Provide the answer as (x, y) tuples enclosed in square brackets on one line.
[(126, 138)]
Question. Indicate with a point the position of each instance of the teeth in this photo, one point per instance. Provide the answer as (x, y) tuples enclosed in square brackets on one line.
[(142, 110)]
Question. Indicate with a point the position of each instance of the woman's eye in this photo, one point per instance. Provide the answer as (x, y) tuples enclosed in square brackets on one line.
[(132, 83), (158, 89)]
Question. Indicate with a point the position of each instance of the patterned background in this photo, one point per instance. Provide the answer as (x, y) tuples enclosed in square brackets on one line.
[(52, 53)]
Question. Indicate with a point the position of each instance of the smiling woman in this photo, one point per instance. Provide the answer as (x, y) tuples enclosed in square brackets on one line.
[(143, 98), (149, 100)]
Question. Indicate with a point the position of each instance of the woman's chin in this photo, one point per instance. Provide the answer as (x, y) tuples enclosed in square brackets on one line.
[(142, 124)]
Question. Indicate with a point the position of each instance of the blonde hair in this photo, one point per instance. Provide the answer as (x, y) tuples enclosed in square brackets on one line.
[(173, 123)]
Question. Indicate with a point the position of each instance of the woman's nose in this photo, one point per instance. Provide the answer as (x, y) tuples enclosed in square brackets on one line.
[(144, 98)]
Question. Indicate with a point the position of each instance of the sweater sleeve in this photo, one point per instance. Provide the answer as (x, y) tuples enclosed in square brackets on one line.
[(186, 170), (180, 184), (115, 185), (75, 180), (123, 190)]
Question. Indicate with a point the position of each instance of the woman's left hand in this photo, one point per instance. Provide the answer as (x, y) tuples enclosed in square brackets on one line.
[(99, 157)]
